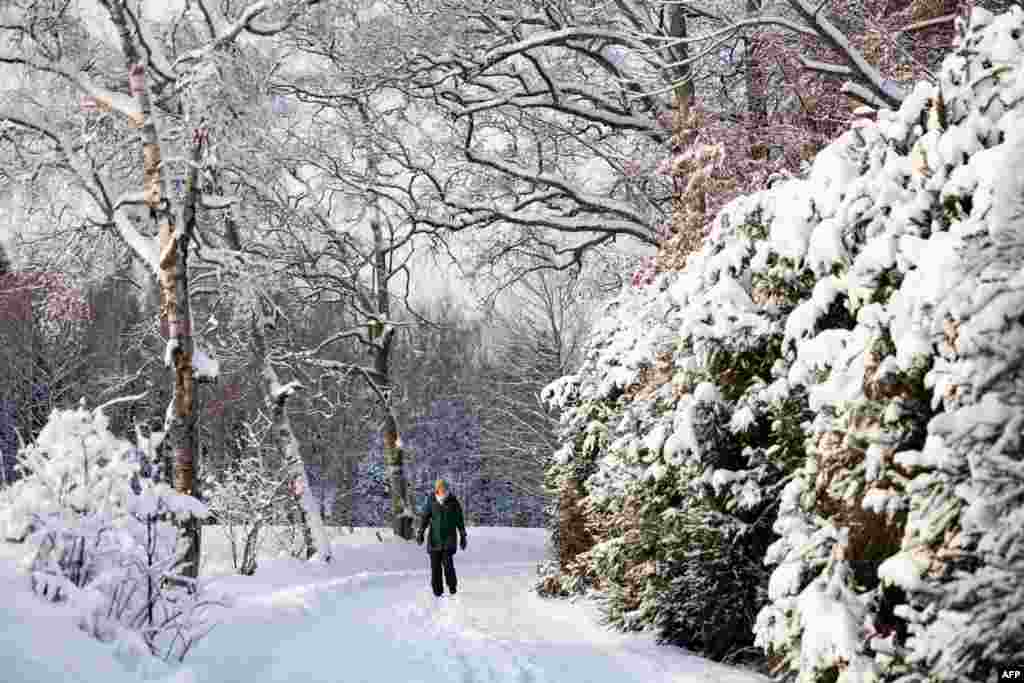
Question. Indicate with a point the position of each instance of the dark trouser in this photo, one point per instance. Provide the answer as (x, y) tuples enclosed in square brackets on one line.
[(442, 560)]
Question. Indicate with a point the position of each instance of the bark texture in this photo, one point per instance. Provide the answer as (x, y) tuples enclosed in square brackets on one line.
[(401, 507), (173, 280)]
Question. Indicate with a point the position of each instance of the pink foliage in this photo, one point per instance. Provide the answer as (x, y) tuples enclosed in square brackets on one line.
[(719, 156), (230, 393), (62, 302), (631, 168), (136, 79), (644, 274)]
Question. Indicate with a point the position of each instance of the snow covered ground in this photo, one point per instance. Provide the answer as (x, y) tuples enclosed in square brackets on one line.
[(369, 616)]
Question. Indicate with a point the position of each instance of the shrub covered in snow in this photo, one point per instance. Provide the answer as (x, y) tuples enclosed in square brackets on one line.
[(842, 362), (248, 498), (103, 537)]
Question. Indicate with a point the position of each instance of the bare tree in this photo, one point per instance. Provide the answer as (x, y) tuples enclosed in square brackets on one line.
[(370, 299), (539, 327), (337, 245), (476, 141), (247, 497), (538, 126)]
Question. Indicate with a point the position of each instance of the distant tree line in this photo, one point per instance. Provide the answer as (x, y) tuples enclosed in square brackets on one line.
[(468, 390)]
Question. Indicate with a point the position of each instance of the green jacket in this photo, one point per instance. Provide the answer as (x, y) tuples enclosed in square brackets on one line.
[(443, 520)]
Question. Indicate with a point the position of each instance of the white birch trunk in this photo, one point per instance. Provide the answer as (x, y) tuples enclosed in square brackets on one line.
[(276, 396), (174, 294)]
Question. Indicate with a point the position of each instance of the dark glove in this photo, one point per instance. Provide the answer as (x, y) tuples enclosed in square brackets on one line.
[(419, 538), (462, 543)]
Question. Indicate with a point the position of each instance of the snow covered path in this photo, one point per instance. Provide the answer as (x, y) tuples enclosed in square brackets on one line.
[(347, 626), (367, 617)]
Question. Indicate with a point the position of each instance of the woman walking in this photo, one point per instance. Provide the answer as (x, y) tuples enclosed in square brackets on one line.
[(443, 514)]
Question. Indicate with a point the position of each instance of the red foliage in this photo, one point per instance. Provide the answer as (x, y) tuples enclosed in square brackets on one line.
[(62, 302), (718, 156), (644, 275)]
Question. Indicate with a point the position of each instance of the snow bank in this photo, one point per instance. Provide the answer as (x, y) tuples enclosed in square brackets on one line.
[(42, 644)]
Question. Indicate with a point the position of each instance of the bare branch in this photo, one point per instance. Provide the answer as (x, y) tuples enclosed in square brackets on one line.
[(826, 68), (927, 23), (865, 95)]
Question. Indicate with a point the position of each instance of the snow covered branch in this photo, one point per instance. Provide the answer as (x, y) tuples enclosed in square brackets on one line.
[(560, 37), (826, 68), (281, 393), (105, 98), (121, 399), (147, 249), (863, 94), (245, 23), (839, 42), (214, 202), (928, 23)]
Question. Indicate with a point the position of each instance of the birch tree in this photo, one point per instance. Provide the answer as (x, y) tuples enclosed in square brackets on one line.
[(53, 44)]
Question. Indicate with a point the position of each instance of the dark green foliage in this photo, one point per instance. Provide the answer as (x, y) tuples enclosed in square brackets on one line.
[(754, 227), (685, 567), (783, 279), (712, 582), (719, 446), (734, 372)]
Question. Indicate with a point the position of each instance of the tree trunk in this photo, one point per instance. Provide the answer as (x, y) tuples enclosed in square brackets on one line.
[(343, 502), (401, 507), (276, 397), (754, 76), (684, 90), (248, 566), (401, 515), (177, 312), (174, 295)]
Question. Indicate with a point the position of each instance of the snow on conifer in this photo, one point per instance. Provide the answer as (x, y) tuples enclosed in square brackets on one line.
[(838, 374)]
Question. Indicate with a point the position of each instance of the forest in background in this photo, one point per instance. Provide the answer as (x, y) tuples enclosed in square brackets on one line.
[(468, 396)]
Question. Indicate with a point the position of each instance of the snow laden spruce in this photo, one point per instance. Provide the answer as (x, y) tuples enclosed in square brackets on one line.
[(811, 437), (102, 537)]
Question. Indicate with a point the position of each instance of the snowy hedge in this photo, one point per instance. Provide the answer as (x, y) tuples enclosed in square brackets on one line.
[(101, 536), (814, 430)]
